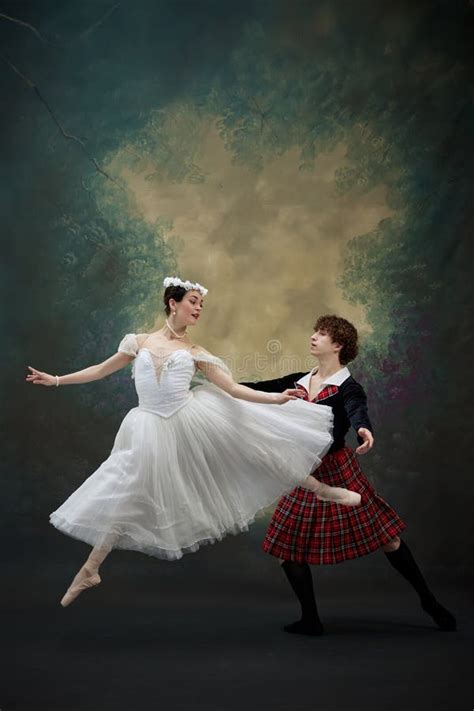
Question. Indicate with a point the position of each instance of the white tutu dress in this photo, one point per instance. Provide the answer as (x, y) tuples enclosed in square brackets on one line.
[(190, 464)]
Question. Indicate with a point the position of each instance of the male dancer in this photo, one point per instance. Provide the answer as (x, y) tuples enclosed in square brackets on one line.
[(305, 530)]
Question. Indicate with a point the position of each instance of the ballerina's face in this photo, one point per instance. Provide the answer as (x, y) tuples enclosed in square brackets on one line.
[(188, 310)]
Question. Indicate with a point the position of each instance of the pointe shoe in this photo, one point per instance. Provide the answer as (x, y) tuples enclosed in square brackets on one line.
[(338, 495), (76, 588)]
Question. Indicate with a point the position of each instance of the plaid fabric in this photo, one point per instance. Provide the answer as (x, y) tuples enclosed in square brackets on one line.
[(326, 392), (306, 530)]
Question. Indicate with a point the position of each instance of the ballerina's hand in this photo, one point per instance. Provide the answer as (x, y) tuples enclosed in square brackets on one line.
[(38, 378), (290, 394)]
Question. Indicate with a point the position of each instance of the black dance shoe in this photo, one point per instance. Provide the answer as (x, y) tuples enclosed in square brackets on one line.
[(443, 617), (312, 628)]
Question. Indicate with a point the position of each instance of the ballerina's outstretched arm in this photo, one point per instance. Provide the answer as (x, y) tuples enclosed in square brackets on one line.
[(221, 376), (94, 372), (87, 375)]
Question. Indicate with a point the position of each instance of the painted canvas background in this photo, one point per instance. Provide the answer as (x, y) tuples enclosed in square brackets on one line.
[(297, 159)]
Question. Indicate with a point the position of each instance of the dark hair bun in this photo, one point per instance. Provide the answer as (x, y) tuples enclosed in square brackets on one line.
[(172, 292)]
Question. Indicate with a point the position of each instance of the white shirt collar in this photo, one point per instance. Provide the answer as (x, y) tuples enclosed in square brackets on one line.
[(335, 379)]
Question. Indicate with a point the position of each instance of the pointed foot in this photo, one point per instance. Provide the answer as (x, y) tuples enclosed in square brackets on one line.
[(339, 496), (78, 587)]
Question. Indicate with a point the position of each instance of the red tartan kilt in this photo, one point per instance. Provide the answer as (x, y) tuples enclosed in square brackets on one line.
[(307, 530)]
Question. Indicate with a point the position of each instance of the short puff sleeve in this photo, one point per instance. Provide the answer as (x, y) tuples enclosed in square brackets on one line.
[(205, 357), (129, 345)]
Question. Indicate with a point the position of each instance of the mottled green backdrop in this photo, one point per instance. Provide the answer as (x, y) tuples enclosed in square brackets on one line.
[(296, 158)]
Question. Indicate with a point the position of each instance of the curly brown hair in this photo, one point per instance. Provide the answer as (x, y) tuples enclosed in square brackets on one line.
[(342, 332)]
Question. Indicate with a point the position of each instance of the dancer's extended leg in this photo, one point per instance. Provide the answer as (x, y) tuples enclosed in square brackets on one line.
[(332, 493), (88, 576), (400, 556)]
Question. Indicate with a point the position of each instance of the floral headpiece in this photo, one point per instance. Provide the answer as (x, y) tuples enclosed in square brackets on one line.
[(188, 285)]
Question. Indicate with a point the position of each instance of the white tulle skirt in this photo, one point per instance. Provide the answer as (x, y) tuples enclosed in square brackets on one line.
[(173, 484)]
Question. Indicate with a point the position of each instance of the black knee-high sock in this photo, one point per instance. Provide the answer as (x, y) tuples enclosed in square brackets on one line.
[(301, 580), (404, 562)]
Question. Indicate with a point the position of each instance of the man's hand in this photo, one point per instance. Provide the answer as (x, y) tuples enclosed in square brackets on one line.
[(368, 440)]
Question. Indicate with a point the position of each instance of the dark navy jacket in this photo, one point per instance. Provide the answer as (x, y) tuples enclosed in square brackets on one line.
[(341, 392)]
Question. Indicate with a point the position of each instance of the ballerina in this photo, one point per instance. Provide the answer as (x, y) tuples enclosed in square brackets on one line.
[(188, 464)]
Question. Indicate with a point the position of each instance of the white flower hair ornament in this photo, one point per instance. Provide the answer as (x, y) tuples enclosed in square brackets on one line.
[(188, 285)]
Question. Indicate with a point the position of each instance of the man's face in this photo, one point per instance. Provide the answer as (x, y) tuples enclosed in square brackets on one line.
[(322, 344)]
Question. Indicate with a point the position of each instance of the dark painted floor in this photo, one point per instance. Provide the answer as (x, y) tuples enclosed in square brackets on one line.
[(154, 636)]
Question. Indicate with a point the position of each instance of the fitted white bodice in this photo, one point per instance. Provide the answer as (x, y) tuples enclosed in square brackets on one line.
[(165, 389), (169, 391)]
